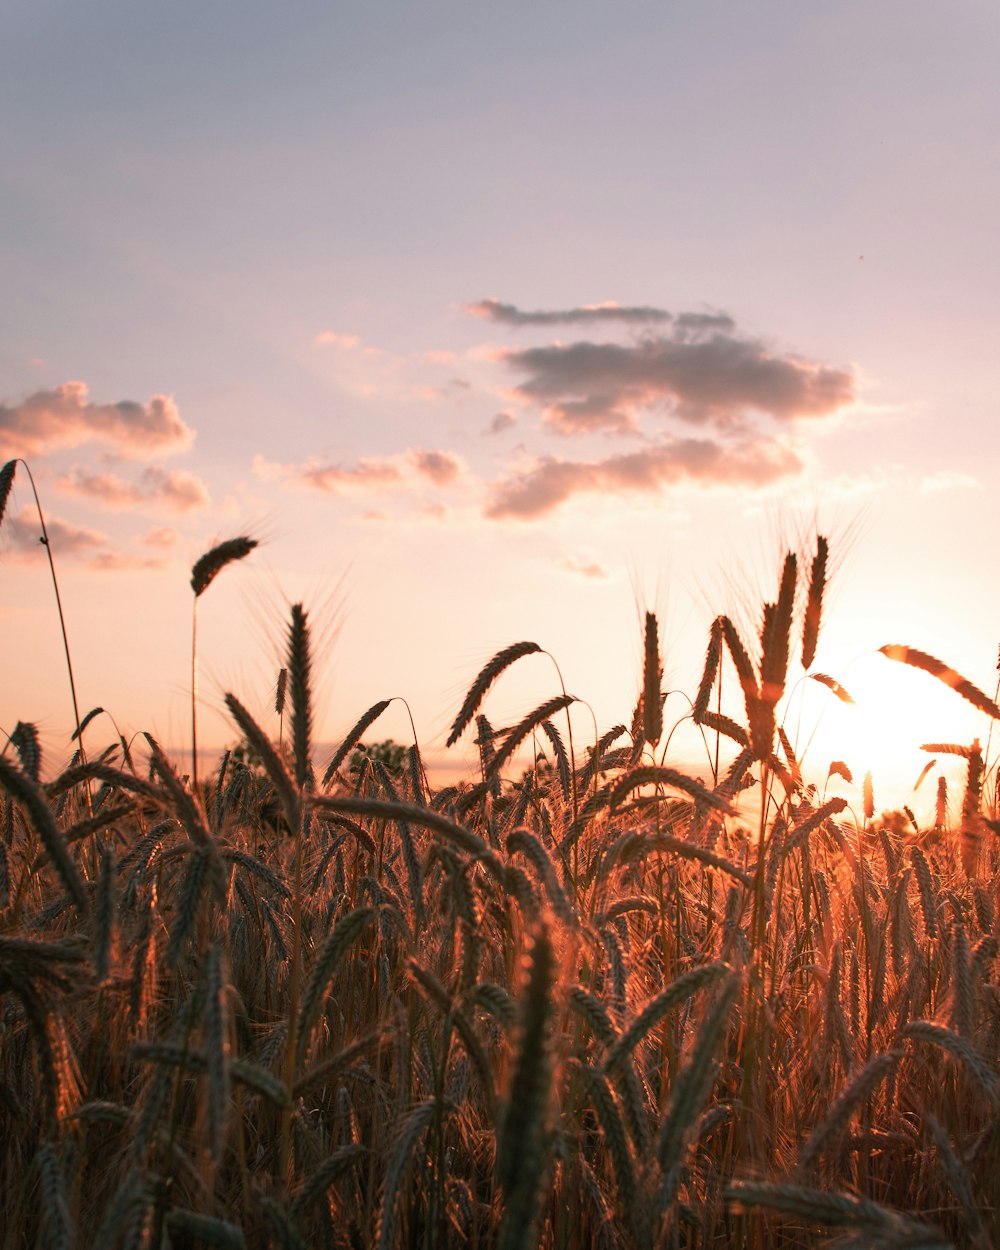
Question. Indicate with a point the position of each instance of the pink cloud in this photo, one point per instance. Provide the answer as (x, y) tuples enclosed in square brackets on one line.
[(161, 538), (436, 357), (365, 474), (585, 568), (552, 482), (124, 562), (329, 338), (74, 543), (502, 421), (440, 466), (49, 420), (25, 535), (173, 489)]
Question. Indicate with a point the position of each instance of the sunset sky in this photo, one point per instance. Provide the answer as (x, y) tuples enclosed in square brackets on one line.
[(496, 322)]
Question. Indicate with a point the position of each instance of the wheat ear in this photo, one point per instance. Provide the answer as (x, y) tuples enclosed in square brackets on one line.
[(814, 602), (299, 673), (652, 677), (677, 992), (55, 1202), (836, 1120), (373, 713), (399, 1166), (928, 664), (654, 775), (524, 727), (206, 569), (29, 794), (487, 675), (521, 1141), (207, 1230), (216, 1050), (346, 932), (6, 482), (694, 1083)]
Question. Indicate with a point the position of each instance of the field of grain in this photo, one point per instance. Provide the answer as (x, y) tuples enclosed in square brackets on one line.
[(595, 1002)]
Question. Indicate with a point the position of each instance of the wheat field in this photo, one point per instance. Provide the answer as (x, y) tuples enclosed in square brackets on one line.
[(586, 1001)]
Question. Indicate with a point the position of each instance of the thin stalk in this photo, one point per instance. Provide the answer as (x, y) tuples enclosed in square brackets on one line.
[(62, 625), (194, 697)]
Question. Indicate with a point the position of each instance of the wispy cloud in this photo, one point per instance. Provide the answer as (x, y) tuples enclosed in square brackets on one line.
[(366, 474), (551, 481), (584, 314), (50, 420), (172, 489)]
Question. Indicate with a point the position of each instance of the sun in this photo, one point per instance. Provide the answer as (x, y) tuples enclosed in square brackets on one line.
[(895, 711)]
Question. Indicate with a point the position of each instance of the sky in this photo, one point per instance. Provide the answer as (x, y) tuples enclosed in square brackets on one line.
[(495, 323)]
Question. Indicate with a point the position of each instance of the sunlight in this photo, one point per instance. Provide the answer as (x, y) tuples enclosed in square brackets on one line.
[(896, 711)]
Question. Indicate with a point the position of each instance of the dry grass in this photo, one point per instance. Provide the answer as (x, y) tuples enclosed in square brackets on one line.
[(593, 1006)]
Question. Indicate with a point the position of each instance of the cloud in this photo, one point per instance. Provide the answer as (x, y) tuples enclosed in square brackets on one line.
[(173, 489), (331, 477), (25, 533), (124, 562), (329, 338), (584, 568), (161, 538), (64, 417), (368, 473), (84, 546), (502, 421), (511, 315), (440, 466), (699, 373), (551, 482), (947, 479)]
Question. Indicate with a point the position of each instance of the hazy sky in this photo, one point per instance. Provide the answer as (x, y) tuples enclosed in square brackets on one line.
[(493, 322)]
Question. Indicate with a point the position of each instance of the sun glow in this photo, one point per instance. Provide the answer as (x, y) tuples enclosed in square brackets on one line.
[(896, 711)]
